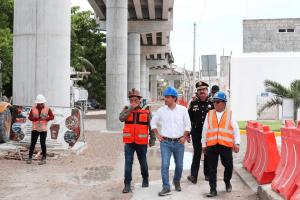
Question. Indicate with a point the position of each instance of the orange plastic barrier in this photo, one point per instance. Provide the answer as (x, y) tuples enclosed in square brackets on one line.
[(268, 159), (296, 195), (283, 163), (249, 144)]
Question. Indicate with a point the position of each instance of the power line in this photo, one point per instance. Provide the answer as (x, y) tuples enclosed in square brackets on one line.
[(202, 12)]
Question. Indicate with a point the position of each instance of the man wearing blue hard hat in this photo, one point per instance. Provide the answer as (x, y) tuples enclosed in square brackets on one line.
[(175, 129), (220, 136)]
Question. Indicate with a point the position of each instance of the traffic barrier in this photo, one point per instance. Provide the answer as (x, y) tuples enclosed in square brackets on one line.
[(296, 195), (282, 166), (249, 150), (268, 159), (254, 140), (258, 149), (153, 100), (288, 182)]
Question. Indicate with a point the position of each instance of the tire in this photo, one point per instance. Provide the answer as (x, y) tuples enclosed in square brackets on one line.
[(5, 126)]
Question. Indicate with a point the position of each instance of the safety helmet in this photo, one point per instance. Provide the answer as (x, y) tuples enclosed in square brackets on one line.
[(134, 93), (220, 95), (171, 91), (40, 99)]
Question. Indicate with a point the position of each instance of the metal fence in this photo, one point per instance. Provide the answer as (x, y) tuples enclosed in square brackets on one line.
[(267, 114)]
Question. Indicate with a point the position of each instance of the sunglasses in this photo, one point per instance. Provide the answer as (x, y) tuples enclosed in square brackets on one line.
[(217, 102)]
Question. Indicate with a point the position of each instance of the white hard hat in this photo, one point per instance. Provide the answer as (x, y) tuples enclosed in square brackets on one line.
[(40, 99)]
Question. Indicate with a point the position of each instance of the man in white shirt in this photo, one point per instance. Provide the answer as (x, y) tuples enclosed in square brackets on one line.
[(175, 129), (220, 136)]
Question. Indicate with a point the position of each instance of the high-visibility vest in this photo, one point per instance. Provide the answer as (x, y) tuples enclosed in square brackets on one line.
[(136, 126), (221, 133), (44, 114)]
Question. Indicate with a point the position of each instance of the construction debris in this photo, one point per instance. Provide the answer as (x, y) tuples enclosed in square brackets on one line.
[(23, 154)]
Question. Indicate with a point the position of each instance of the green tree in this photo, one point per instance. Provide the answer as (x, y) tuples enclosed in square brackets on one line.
[(88, 52), (6, 44), (280, 92)]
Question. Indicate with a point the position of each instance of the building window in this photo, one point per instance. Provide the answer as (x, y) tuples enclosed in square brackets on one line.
[(290, 30), (282, 30)]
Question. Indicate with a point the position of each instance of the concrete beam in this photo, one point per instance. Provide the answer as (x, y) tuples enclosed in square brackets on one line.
[(165, 10), (154, 38), (170, 77), (155, 56), (97, 9), (144, 26), (159, 71), (154, 49), (163, 38), (138, 9), (151, 8), (154, 63), (144, 38)]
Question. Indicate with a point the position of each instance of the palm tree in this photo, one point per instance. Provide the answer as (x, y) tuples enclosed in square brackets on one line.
[(282, 92)]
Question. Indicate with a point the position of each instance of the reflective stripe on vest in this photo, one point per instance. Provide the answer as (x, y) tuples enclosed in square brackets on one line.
[(44, 114), (136, 126), (222, 132)]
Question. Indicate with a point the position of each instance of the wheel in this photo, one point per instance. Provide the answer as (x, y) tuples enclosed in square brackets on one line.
[(5, 124)]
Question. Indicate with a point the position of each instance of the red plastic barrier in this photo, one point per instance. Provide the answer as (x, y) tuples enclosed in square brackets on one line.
[(288, 186), (254, 141), (269, 156), (153, 100), (296, 195), (283, 163), (249, 144)]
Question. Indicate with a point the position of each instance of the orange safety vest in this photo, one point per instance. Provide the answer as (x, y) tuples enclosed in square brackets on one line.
[(44, 114), (136, 126), (221, 133)]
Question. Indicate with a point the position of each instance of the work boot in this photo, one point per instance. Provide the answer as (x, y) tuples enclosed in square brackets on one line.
[(177, 186), (193, 179), (207, 178), (164, 192), (228, 187), (29, 161), (43, 161), (212, 193), (126, 189), (145, 182)]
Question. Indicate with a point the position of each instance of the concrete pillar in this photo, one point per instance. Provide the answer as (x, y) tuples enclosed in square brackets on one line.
[(133, 62), (171, 83), (143, 77), (116, 62), (147, 83), (154, 87), (41, 55)]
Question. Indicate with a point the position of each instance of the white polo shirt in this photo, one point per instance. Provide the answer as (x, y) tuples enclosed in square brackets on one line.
[(174, 122)]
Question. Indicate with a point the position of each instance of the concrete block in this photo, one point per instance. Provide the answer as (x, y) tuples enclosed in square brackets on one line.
[(265, 192)]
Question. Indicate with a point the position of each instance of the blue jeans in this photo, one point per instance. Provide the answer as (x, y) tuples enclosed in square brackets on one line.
[(141, 151), (167, 148)]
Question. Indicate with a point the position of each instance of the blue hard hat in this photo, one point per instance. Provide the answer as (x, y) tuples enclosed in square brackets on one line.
[(220, 95), (171, 91), (209, 93)]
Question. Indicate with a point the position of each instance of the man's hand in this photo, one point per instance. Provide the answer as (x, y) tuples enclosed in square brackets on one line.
[(159, 137), (133, 105), (236, 148), (182, 140), (151, 145), (204, 149), (188, 139)]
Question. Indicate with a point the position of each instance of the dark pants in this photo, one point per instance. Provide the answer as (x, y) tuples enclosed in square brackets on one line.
[(197, 145), (34, 138), (141, 151), (213, 153)]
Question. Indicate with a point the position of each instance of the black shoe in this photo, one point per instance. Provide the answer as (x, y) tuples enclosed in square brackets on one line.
[(228, 187), (212, 193), (126, 189), (164, 192), (145, 183), (177, 186), (207, 178), (193, 179), (43, 161), (29, 161)]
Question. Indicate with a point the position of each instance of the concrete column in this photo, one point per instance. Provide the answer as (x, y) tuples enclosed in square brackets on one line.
[(147, 83), (171, 83), (143, 77), (154, 87), (41, 53), (133, 62), (116, 62)]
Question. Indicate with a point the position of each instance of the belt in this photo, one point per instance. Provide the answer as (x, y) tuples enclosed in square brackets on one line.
[(172, 139)]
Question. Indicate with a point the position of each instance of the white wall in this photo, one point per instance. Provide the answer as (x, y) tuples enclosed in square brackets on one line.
[(248, 72)]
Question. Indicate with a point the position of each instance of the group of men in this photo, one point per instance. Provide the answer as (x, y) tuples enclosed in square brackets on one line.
[(213, 129)]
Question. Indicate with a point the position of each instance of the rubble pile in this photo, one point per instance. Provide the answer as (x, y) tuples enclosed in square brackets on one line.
[(23, 154)]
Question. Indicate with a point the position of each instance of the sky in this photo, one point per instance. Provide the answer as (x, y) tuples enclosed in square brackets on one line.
[(219, 24)]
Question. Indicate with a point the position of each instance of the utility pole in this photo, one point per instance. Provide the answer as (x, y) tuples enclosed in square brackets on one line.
[(199, 70), (223, 70), (184, 85), (194, 61)]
